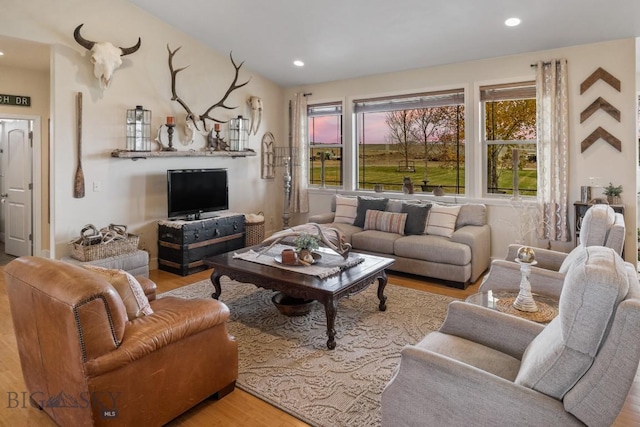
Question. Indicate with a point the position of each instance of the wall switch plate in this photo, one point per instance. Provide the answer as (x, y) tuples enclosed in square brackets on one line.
[(97, 186)]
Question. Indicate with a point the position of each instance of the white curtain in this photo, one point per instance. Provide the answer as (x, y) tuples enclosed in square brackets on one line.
[(299, 181), (553, 150)]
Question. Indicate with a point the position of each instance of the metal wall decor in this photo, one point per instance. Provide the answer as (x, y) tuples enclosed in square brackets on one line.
[(600, 104), (268, 156)]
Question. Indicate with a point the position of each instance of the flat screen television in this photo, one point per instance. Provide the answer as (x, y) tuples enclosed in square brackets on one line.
[(191, 192)]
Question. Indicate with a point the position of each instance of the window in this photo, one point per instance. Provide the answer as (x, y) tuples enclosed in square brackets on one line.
[(419, 136), (509, 138), (325, 144)]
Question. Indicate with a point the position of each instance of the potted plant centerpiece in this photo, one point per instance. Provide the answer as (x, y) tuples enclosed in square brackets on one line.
[(305, 245), (613, 193)]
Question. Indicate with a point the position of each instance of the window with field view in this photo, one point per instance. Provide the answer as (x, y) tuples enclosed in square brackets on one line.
[(325, 144), (419, 136), (509, 138)]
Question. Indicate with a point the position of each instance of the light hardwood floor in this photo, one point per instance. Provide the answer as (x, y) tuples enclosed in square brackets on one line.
[(236, 409)]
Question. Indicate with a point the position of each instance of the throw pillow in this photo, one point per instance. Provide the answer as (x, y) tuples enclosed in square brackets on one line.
[(391, 222), (346, 209), (365, 204), (442, 220), (129, 289), (416, 218), (472, 214)]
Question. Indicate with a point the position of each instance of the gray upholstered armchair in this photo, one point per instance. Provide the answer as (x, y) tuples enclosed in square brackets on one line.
[(484, 367), (601, 226)]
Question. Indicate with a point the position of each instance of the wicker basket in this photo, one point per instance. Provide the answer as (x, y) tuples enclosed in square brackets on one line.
[(254, 233), (104, 250)]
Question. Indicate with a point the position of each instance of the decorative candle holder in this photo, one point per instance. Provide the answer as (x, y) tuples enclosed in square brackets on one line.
[(524, 301), (170, 130), (215, 143)]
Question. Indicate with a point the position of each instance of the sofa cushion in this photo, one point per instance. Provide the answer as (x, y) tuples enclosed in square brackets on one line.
[(375, 241), (366, 203), (558, 357), (129, 289), (472, 214), (346, 209), (442, 220), (416, 217), (347, 230), (471, 353), (391, 222), (432, 248)]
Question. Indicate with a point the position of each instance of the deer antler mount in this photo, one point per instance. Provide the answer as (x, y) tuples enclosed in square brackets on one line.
[(195, 118)]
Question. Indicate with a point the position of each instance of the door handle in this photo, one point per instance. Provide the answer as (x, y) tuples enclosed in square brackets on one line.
[(3, 197)]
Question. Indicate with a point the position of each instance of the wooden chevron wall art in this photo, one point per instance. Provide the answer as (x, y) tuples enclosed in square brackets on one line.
[(600, 74), (597, 134), (600, 104)]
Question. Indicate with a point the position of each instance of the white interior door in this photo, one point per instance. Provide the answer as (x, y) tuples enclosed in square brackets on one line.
[(17, 187)]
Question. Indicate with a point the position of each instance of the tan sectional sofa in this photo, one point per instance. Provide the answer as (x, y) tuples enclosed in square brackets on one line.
[(459, 259)]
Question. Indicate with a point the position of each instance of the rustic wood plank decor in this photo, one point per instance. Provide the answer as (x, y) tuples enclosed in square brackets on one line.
[(600, 104), (597, 134), (598, 74)]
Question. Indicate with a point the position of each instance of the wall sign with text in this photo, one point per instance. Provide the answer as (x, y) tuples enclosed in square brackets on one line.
[(20, 101)]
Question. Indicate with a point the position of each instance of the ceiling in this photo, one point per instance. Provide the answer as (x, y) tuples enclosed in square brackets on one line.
[(342, 39), (24, 54)]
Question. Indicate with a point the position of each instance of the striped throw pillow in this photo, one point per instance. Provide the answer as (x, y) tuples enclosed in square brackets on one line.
[(442, 220), (391, 222), (346, 209)]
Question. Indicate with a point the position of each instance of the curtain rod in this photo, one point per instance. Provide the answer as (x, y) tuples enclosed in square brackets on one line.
[(307, 94), (544, 63)]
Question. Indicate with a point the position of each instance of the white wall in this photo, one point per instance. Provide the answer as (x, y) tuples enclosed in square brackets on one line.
[(601, 160), (134, 192)]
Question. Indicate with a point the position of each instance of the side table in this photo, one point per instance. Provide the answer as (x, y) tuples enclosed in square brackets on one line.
[(503, 300)]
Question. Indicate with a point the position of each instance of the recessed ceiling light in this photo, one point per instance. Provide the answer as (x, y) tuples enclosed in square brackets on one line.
[(298, 63), (1, 53), (512, 22)]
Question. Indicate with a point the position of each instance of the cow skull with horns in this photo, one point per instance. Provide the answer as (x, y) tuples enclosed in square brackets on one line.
[(105, 57)]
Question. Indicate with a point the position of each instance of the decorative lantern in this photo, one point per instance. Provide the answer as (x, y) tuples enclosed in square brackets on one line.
[(138, 129), (238, 134)]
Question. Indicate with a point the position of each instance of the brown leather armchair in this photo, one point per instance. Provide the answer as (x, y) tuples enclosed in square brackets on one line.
[(84, 363)]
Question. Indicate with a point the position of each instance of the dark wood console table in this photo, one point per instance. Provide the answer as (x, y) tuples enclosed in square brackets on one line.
[(327, 291)]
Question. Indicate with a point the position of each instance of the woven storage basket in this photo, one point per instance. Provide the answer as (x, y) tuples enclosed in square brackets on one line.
[(254, 233), (104, 250)]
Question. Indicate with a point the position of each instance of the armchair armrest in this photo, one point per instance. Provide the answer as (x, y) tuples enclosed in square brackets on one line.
[(173, 319), (503, 332), (547, 259), (323, 218), (148, 286), (506, 276), (431, 389)]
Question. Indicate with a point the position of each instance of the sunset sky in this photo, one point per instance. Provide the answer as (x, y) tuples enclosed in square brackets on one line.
[(326, 129)]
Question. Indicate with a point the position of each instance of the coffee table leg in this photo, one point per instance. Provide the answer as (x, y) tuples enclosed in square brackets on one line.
[(215, 280), (382, 282), (330, 309)]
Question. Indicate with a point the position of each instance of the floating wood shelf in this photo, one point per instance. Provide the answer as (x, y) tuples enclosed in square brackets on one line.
[(135, 155)]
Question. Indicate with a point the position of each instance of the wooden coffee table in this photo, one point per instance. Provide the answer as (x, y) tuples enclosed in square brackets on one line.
[(327, 291)]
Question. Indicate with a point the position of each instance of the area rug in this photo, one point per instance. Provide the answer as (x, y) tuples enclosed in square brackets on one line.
[(285, 361)]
